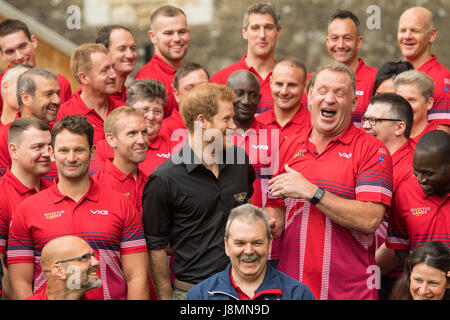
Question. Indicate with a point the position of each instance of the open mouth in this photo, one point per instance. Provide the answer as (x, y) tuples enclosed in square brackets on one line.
[(328, 113)]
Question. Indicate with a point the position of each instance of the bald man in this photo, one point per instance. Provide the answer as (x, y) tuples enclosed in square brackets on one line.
[(70, 266), (416, 34)]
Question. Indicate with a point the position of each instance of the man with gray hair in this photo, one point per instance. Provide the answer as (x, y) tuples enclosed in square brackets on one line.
[(262, 29), (248, 242), (10, 110), (38, 96), (330, 194)]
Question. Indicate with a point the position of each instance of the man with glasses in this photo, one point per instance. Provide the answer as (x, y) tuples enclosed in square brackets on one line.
[(389, 117), (77, 205), (70, 267)]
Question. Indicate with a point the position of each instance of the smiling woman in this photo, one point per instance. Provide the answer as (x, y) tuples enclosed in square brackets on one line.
[(426, 274)]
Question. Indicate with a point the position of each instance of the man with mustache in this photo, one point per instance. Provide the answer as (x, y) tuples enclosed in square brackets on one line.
[(78, 205), (70, 267), (415, 36), (421, 207), (93, 68), (170, 37), (187, 199), (29, 147), (18, 46), (262, 29), (38, 95), (249, 277)]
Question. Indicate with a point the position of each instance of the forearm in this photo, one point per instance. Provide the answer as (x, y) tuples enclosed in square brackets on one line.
[(160, 273), (275, 216), (352, 214), (386, 259), (138, 288)]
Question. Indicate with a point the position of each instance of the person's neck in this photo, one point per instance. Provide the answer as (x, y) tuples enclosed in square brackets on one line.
[(121, 79), (321, 140), (60, 292), (8, 114), (248, 285), (205, 152), (396, 144), (125, 166), (93, 100), (244, 125), (263, 65), (420, 60), (354, 64), (283, 116), (418, 127), (74, 188), (27, 179), (173, 63)]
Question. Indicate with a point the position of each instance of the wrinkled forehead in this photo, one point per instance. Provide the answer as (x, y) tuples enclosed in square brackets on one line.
[(333, 79)]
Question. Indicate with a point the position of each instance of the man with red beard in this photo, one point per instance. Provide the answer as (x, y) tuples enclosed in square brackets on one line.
[(122, 48), (170, 37), (93, 68)]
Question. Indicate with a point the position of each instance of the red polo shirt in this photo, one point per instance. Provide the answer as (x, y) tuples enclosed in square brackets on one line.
[(64, 85), (365, 78), (440, 112), (417, 218), (402, 169), (160, 70), (104, 218), (316, 250), (111, 177), (301, 121), (266, 102), (13, 193), (172, 123), (159, 150), (121, 94), (430, 127), (76, 105)]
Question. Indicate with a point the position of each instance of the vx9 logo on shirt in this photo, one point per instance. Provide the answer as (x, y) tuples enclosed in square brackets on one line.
[(101, 212), (261, 147), (345, 155), (53, 215), (163, 155)]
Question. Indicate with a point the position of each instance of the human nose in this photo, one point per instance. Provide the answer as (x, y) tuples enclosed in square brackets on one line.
[(248, 248)]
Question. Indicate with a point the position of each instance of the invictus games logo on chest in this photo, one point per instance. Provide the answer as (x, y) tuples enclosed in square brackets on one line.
[(300, 153), (53, 215), (420, 211)]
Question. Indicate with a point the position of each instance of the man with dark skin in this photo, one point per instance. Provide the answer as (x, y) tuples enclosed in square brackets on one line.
[(246, 87), (421, 204)]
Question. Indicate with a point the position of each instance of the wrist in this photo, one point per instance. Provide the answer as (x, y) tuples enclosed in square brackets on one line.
[(318, 194)]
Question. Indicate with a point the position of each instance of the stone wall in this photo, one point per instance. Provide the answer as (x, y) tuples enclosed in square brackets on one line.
[(218, 43)]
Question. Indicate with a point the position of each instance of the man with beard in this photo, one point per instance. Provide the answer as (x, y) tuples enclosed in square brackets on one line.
[(70, 267), (421, 207), (38, 95), (77, 205), (249, 277), (170, 37), (93, 68), (188, 198)]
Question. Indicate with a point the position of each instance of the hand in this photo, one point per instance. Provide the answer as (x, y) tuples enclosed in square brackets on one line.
[(292, 184)]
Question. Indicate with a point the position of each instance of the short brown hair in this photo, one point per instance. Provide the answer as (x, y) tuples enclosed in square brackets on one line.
[(75, 124), (10, 26), (116, 114), (20, 125), (204, 99), (80, 61), (165, 11)]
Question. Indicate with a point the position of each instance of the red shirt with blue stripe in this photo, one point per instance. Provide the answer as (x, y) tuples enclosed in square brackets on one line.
[(331, 260), (417, 217), (440, 112), (104, 218), (266, 102)]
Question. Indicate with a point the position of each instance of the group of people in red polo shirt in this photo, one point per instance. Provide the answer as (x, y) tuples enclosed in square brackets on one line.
[(350, 177)]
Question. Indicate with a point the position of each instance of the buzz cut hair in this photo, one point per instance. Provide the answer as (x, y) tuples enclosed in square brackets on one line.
[(345, 14), (19, 126), (165, 11), (186, 69), (118, 113)]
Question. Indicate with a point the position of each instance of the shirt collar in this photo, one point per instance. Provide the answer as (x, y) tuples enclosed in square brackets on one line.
[(17, 184), (155, 144), (163, 64), (92, 193), (190, 159)]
